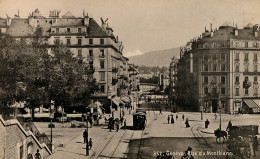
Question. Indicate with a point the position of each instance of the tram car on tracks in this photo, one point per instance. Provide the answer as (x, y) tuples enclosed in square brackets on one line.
[(239, 138), (139, 120)]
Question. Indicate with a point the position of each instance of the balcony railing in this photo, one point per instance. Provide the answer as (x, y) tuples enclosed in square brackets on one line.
[(114, 69), (114, 81)]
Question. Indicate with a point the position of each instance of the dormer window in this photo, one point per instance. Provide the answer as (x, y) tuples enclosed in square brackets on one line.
[(68, 30)]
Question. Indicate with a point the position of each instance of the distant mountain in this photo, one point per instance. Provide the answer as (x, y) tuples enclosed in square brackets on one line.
[(155, 58)]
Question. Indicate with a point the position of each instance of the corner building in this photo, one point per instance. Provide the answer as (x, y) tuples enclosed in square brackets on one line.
[(95, 43), (224, 68)]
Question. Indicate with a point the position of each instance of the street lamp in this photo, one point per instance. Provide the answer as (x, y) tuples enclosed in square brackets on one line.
[(87, 147)]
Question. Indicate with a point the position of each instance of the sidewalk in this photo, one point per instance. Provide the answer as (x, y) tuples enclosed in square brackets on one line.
[(106, 144)]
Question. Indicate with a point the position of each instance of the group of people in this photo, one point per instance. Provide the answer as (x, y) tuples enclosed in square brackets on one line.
[(171, 119), (85, 137), (114, 123)]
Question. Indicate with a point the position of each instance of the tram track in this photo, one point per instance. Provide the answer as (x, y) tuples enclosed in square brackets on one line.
[(199, 137)]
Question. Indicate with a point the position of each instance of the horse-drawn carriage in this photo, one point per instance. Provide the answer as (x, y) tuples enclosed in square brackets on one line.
[(239, 139)]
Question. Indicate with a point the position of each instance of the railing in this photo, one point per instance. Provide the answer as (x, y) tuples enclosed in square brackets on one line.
[(114, 69), (42, 137), (114, 81)]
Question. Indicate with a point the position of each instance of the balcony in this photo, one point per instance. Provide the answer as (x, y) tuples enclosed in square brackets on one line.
[(246, 84), (114, 81), (114, 69), (246, 60), (255, 61), (101, 56)]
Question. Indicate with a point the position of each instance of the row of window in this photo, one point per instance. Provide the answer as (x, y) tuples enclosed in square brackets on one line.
[(246, 91), (207, 57), (245, 44), (206, 67), (214, 90), (90, 53), (214, 80), (246, 79), (68, 30), (79, 41), (246, 68), (246, 56), (223, 91)]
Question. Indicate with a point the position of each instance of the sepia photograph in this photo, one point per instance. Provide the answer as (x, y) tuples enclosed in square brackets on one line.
[(134, 79)]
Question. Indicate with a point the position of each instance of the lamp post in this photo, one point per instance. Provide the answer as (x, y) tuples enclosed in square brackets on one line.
[(51, 117), (87, 147)]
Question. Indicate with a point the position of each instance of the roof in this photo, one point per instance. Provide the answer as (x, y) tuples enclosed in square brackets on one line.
[(2, 23), (68, 15), (21, 27), (227, 33), (95, 29)]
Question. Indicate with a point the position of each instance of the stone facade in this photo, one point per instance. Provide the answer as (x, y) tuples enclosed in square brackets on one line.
[(16, 143), (220, 68)]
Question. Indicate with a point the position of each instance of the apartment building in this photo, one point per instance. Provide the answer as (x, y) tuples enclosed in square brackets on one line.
[(221, 71), (95, 43)]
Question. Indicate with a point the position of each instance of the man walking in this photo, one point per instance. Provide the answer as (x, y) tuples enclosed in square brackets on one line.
[(38, 155), (206, 123), (85, 136), (182, 116), (168, 119), (255, 145), (160, 111), (90, 143), (125, 124)]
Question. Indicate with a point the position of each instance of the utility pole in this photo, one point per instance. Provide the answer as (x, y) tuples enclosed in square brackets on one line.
[(87, 147)]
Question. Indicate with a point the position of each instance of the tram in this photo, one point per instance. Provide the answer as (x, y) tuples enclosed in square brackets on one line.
[(139, 120)]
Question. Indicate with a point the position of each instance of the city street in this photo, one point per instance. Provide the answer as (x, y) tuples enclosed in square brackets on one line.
[(159, 136)]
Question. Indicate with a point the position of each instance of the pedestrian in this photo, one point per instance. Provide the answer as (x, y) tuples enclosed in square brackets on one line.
[(176, 116), (229, 125), (85, 135), (38, 155), (215, 116), (182, 116), (207, 123), (121, 120), (123, 112), (125, 124), (160, 111), (90, 122), (168, 119), (90, 143), (117, 127), (172, 120), (255, 145), (187, 123)]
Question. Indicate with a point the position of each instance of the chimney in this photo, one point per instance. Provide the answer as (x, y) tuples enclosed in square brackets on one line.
[(86, 19), (8, 20), (211, 33), (236, 32), (255, 33), (191, 63)]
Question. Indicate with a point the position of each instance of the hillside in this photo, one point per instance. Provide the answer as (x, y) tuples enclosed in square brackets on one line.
[(155, 58)]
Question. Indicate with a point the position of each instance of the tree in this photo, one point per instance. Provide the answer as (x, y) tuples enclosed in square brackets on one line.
[(37, 73)]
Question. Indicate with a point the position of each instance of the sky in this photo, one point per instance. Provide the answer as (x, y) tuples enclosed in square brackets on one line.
[(148, 25)]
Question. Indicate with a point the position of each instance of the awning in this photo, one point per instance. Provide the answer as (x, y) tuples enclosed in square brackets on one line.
[(125, 99), (116, 100), (252, 103)]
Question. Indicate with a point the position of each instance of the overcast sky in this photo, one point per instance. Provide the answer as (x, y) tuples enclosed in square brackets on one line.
[(148, 25)]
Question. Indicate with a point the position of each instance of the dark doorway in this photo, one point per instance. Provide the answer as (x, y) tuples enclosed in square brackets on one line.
[(214, 105)]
